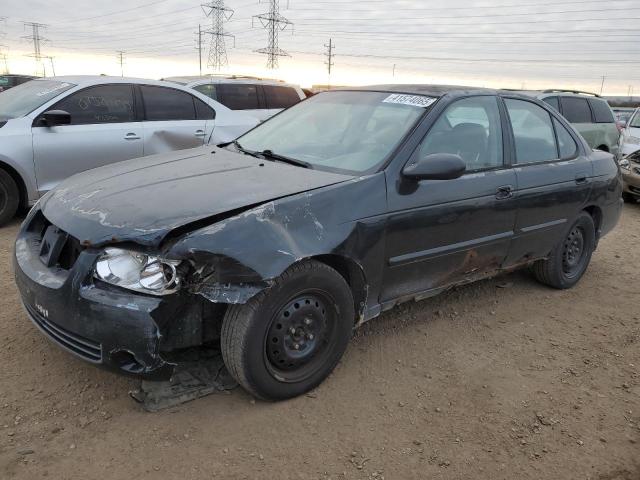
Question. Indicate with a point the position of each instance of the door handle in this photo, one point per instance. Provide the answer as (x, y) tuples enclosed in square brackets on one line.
[(131, 136), (200, 133), (504, 192), (581, 178)]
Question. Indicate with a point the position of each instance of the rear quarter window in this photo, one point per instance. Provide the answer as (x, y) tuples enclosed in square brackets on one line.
[(576, 109), (601, 111), (553, 101)]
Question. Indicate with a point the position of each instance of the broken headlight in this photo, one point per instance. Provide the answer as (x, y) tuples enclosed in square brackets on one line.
[(624, 164), (138, 271)]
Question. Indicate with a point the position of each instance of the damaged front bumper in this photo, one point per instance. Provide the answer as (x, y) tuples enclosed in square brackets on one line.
[(106, 326)]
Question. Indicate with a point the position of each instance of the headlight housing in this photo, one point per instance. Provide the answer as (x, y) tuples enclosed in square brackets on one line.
[(624, 164), (138, 271)]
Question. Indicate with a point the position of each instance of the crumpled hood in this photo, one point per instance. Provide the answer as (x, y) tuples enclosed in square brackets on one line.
[(142, 200)]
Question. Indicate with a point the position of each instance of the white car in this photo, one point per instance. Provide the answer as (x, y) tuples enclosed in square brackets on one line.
[(53, 128), (255, 96), (630, 141)]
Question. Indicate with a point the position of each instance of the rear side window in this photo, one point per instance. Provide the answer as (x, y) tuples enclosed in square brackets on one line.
[(209, 89), (532, 130), (163, 103), (566, 143), (238, 96), (553, 101), (204, 111), (601, 111), (576, 109), (280, 97), (100, 104)]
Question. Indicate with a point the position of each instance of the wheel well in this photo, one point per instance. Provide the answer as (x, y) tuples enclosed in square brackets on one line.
[(353, 275), (24, 199), (596, 215), (604, 148)]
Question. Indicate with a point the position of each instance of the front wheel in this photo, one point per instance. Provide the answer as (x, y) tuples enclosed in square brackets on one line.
[(288, 339), (570, 258), (9, 197)]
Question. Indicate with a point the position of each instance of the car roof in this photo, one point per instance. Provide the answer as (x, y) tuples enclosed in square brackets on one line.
[(422, 89), (188, 80), (88, 80)]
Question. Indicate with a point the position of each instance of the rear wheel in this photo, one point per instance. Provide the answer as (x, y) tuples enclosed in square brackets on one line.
[(9, 197), (570, 258), (288, 339)]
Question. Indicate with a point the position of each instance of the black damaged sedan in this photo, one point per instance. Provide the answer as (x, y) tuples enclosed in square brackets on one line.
[(273, 248)]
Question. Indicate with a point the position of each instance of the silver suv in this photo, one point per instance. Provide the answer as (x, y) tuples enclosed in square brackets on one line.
[(261, 98), (53, 128), (589, 113)]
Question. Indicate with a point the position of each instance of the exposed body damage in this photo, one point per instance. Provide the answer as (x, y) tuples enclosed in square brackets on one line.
[(230, 229)]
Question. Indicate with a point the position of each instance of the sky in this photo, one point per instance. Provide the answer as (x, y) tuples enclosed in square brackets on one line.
[(532, 44)]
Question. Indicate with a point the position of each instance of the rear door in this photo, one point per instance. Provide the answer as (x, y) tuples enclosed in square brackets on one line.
[(578, 112), (172, 120), (442, 232), (103, 130), (553, 179), (606, 123)]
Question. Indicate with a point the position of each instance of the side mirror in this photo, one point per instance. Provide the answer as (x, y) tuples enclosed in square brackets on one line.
[(53, 118), (437, 166)]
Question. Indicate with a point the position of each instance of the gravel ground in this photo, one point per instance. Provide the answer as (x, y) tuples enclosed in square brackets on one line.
[(502, 379)]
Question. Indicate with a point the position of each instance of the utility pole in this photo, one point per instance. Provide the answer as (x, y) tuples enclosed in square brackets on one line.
[(3, 57), (53, 68), (630, 92), (602, 84), (120, 56), (274, 23), (37, 38), (199, 47), (329, 63), (218, 49)]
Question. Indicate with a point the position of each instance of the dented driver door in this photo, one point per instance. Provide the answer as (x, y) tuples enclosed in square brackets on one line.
[(171, 120)]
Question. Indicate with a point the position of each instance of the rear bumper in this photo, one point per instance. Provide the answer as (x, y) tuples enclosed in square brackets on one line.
[(105, 326)]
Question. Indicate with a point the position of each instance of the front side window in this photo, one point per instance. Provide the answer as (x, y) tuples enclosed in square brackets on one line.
[(470, 128), (25, 98), (280, 97), (345, 131), (576, 109), (635, 121), (99, 104), (163, 104), (601, 111), (237, 96), (532, 131)]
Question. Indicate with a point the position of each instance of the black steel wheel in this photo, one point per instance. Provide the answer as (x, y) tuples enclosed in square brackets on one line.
[(9, 197), (568, 261), (287, 339)]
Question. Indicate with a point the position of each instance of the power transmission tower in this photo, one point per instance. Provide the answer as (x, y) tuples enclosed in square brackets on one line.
[(199, 47), (329, 63), (218, 49), (120, 56), (37, 38), (273, 22), (4, 59), (602, 84), (53, 68)]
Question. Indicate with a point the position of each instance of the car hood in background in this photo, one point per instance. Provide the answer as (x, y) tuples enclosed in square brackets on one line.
[(144, 199)]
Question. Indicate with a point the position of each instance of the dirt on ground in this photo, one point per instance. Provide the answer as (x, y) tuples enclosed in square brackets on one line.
[(503, 379)]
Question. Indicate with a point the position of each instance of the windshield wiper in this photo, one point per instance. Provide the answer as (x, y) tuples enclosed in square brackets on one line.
[(243, 150), (269, 154)]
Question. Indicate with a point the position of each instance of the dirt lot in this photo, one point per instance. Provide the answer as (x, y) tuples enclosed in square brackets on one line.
[(502, 379)]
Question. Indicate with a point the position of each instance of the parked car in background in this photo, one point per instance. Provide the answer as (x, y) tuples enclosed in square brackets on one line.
[(274, 247), (630, 163), (53, 128), (258, 97), (589, 113), (623, 114), (9, 81)]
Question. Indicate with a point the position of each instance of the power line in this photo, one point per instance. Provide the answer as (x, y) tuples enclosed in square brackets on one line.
[(273, 22), (217, 49)]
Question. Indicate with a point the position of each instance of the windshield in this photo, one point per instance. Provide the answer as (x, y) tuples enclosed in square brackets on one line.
[(23, 99), (350, 132)]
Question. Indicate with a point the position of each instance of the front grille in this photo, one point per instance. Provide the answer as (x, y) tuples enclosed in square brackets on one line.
[(57, 248), (634, 189), (637, 170), (83, 347)]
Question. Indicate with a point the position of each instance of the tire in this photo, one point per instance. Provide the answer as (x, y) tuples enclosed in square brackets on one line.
[(570, 258), (287, 339), (628, 198), (9, 198)]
